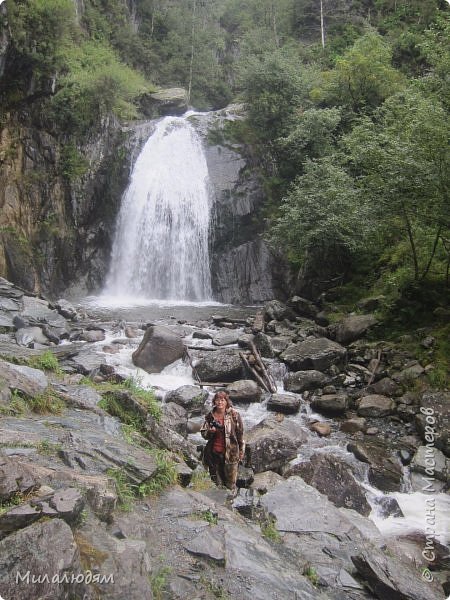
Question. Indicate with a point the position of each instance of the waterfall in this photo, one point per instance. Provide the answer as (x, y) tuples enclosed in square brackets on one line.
[(160, 249)]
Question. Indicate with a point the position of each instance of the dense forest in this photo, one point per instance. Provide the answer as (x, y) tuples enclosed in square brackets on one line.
[(347, 112)]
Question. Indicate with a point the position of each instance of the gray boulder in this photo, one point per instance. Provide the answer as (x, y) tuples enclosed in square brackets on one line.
[(15, 478), (385, 387), (29, 381), (333, 477), (271, 444), (27, 336), (93, 335), (301, 381), (397, 581), (436, 407), (330, 404), (318, 354), (353, 425), (276, 310), (225, 337), (429, 460), (190, 397), (223, 365), (353, 327), (45, 548), (36, 310), (175, 417), (284, 403), (375, 406), (159, 348), (303, 307), (385, 470), (244, 390)]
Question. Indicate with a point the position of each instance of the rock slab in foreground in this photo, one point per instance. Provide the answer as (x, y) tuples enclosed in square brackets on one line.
[(46, 548)]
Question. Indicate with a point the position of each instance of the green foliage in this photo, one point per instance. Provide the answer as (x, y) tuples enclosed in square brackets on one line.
[(95, 83), (165, 475), (270, 531), (46, 361), (311, 573), (207, 515), (321, 216), (363, 77), (48, 448), (72, 163), (146, 397), (7, 505), (158, 582), (201, 481), (46, 403), (124, 489)]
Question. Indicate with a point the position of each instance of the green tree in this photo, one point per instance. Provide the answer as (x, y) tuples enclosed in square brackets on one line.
[(402, 161), (322, 217), (363, 77)]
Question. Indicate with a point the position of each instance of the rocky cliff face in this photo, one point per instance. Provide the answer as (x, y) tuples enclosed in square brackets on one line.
[(243, 268)]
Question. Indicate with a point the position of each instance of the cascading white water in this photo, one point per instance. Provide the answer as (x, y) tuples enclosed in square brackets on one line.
[(160, 249)]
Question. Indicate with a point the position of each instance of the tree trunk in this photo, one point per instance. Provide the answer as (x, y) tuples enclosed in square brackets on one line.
[(191, 66)]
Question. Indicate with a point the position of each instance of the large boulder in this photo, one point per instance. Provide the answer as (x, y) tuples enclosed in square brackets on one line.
[(276, 310), (223, 365), (225, 336), (169, 101), (301, 381), (353, 327), (15, 478), (303, 307), (244, 390), (433, 421), (385, 470), (429, 460), (159, 348), (333, 477), (271, 444), (284, 403), (45, 548), (190, 397), (318, 354), (28, 381), (330, 404), (375, 405)]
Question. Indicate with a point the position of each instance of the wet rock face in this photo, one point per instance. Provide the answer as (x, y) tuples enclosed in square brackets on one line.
[(243, 268)]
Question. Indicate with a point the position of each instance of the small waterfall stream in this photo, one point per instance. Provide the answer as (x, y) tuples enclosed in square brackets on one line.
[(160, 249)]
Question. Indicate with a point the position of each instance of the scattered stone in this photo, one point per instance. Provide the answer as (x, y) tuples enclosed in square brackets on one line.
[(318, 354), (131, 332), (93, 335), (375, 406), (265, 481), (385, 387), (412, 372), (284, 403), (225, 337), (332, 477), (276, 310), (436, 407), (15, 478), (159, 348), (271, 444), (353, 425), (333, 404), (29, 381), (353, 327), (203, 335), (175, 417), (322, 429), (372, 431), (66, 309), (388, 582), (223, 365), (210, 544), (190, 397), (430, 461), (385, 470), (300, 381), (244, 390), (27, 336), (47, 547), (428, 342)]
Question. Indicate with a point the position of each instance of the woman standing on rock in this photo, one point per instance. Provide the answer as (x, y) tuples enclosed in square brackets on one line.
[(224, 430)]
